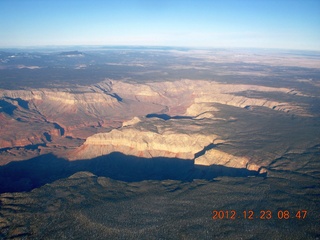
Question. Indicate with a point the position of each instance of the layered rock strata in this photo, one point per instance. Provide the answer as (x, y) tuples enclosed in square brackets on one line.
[(138, 141), (91, 112)]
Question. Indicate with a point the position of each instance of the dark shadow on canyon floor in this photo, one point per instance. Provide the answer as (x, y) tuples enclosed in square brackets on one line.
[(38, 171)]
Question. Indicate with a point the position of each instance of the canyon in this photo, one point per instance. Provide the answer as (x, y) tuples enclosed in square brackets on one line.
[(111, 116), (165, 135)]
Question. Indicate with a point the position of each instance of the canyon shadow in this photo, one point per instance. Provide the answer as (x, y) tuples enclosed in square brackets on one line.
[(36, 172)]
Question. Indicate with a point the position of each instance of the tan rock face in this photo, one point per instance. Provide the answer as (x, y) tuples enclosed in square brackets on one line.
[(201, 110), (253, 167), (217, 157), (148, 144), (133, 121)]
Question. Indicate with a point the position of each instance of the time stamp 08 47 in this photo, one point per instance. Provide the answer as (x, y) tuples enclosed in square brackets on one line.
[(261, 214)]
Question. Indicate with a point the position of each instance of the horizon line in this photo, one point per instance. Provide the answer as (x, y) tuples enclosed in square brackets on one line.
[(152, 46)]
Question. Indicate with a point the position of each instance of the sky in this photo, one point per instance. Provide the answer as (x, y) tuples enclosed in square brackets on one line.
[(280, 24)]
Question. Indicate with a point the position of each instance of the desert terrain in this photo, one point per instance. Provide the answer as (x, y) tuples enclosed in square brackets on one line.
[(147, 142)]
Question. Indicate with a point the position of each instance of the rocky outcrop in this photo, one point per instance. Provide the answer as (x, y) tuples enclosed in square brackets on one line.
[(201, 110), (131, 141), (133, 121), (218, 157)]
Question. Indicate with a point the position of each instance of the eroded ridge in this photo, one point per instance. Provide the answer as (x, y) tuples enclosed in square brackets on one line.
[(96, 119)]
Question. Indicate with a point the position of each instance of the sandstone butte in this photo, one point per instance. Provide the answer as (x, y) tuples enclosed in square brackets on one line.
[(99, 106)]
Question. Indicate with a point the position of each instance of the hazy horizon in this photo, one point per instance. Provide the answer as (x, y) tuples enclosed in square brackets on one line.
[(283, 24)]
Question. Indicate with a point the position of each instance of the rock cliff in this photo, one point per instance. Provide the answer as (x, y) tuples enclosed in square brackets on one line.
[(218, 157), (93, 113), (145, 141)]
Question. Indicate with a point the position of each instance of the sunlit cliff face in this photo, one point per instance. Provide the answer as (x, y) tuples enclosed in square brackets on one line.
[(193, 109)]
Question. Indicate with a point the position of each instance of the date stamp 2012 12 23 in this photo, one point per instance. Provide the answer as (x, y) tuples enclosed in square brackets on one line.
[(261, 214)]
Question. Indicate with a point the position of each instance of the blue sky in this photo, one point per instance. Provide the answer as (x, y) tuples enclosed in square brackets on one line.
[(288, 24)]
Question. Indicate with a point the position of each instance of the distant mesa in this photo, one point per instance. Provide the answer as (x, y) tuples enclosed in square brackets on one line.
[(72, 54)]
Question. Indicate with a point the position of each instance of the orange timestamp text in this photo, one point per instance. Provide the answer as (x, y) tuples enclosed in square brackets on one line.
[(262, 214)]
